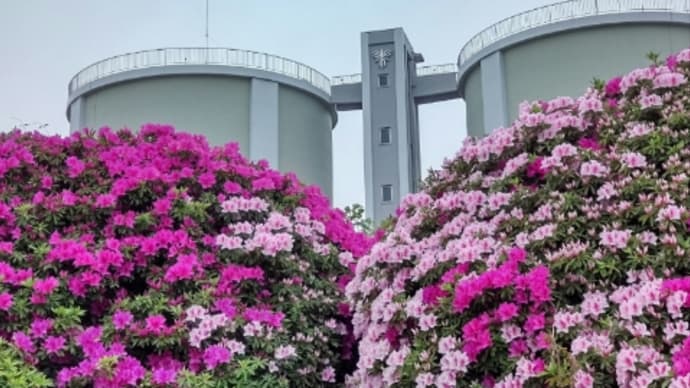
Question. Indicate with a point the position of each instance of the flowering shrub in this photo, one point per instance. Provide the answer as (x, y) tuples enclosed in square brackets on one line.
[(154, 260), (552, 253)]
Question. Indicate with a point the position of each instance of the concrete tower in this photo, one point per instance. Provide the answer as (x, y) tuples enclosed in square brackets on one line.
[(388, 91), (391, 126)]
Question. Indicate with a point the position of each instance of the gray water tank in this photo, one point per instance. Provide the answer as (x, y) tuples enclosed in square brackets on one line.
[(558, 49), (275, 108)]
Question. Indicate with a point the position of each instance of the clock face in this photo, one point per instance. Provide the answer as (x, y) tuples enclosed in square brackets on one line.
[(381, 56)]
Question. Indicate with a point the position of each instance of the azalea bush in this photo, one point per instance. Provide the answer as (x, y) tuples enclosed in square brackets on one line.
[(552, 253), (154, 260)]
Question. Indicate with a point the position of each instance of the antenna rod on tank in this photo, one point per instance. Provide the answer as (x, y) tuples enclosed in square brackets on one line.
[(206, 23)]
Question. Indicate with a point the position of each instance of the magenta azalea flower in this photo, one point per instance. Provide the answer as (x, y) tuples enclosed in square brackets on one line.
[(5, 301), (23, 342), (74, 166), (216, 355), (122, 319), (164, 376), (155, 324), (54, 345), (613, 87)]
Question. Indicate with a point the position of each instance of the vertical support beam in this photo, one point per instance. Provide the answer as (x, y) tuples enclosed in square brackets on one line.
[(77, 115), (388, 75), (402, 125), (494, 99), (415, 157), (263, 122)]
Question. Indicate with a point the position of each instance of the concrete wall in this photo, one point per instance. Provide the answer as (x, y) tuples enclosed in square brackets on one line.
[(565, 64), (220, 106), (305, 145)]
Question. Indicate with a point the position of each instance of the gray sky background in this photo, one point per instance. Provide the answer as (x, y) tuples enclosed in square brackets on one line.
[(43, 43)]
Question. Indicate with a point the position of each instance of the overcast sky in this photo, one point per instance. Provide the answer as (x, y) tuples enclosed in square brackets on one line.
[(43, 43)]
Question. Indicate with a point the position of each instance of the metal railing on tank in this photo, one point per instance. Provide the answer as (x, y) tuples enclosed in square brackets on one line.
[(200, 56), (566, 10)]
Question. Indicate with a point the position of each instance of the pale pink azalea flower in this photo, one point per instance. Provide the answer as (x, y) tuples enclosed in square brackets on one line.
[(509, 333), (593, 168), (424, 380), (328, 374), (397, 357), (669, 80), (638, 130), (634, 160), (680, 382), (228, 242), (594, 304), (671, 213), (446, 379), (676, 329), (615, 239), (590, 105), (252, 329), (510, 381), (427, 322), (273, 367), (583, 380), (284, 352), (447, 344), (563, 321), (651, 101), (660, 370), (675, 302), (455, 361), (514, 164)]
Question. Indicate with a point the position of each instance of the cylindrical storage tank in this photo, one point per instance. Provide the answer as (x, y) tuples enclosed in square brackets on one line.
[(275, 108), (557, 50)]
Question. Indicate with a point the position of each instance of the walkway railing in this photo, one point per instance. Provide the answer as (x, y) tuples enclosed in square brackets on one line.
[(437, 69), (566, 10), (421, 71), (346, 79), (200, 56)]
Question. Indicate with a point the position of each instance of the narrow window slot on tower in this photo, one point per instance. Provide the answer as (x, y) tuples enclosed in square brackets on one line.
[(385, 135), (386, 193)]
